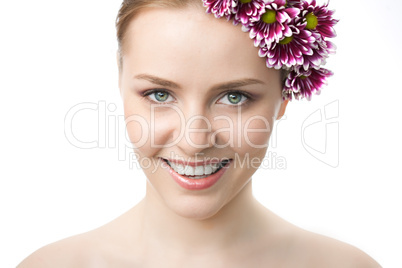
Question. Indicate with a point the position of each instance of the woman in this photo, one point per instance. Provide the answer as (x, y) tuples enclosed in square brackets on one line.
[(200, 105)]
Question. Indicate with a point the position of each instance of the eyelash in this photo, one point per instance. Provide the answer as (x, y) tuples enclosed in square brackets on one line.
[(147, 93), (242, 93), (249, 98)]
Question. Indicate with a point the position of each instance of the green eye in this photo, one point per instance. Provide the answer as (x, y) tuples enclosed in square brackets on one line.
[(235, 98), (161, 96)]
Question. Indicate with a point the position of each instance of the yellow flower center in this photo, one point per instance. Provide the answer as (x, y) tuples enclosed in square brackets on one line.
[(286, 40), (303, 77), (312, 21), (269, 16), (245, 1)]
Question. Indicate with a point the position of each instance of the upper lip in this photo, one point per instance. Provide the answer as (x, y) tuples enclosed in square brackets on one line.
[(198, 163)]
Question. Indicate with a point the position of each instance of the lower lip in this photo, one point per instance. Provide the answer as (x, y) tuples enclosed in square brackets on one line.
[(196, 184)]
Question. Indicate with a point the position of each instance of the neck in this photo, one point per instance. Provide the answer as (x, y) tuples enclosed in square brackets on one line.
[(234, 223)]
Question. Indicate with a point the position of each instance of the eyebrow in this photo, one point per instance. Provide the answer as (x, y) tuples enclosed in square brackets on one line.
[(157, 81), (223, 86)]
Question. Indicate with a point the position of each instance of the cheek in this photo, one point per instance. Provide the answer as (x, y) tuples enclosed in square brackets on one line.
[(137, 125), (257, 131), (252, 131), (149, 129), (243, 132)]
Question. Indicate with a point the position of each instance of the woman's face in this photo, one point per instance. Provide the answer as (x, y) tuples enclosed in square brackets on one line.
[(195, 90)]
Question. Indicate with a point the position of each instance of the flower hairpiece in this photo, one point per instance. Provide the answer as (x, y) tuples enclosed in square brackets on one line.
[(291, 35)]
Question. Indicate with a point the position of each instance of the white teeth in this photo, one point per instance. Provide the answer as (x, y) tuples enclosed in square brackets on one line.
[(199, 170), (177, 167), (180, 169), (195, 171), (215, 166), (189, 171), (173, 165), (208, 169)]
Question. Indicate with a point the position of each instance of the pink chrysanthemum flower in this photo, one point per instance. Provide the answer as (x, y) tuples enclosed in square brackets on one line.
[(291, 34), (248, 11), (320, 53), (220, 8), (294, 3), (273, 25), (331, 48), (290, 51), (301, 83), (318, 18)]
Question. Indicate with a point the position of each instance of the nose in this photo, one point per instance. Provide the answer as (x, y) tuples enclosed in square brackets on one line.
[(198, 133)]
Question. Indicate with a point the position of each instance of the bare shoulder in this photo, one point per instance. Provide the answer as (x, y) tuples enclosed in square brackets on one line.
[(322, 251), (106, 246), (77, 251)]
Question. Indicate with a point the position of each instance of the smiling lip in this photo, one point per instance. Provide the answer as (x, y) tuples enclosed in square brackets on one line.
[(196, 164), (196, 184)]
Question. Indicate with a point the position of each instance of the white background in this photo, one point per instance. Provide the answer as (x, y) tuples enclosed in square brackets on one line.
[(57, 54)]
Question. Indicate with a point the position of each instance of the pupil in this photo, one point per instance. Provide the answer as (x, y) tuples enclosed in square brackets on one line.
[(161, 96), (234, 98)]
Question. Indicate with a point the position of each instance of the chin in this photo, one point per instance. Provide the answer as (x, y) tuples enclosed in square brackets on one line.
[(196, 207)]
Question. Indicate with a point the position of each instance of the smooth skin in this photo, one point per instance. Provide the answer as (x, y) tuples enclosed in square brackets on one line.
[(195, 64)]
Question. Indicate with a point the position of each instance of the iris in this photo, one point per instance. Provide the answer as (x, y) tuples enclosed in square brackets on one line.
[(235, 98), (161, 96)]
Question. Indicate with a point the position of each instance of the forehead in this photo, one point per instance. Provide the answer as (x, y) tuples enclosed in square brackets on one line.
[(170, 41)]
